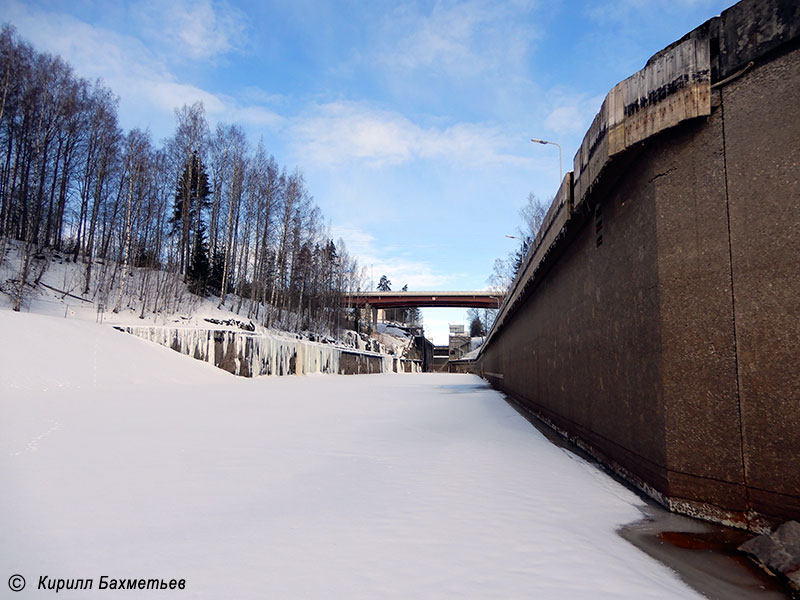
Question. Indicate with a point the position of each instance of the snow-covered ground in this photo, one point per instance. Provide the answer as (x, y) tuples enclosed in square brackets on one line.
[(125, 459)]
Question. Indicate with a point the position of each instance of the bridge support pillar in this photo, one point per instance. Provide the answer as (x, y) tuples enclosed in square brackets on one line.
[(371, 317)]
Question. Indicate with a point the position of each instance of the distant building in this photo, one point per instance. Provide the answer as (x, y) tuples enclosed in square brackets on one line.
[(459, 341)]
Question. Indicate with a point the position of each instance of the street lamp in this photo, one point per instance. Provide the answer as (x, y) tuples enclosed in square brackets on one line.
[(560, 169)]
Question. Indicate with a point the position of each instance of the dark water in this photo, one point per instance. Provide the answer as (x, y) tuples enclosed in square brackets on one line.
[(703, 554)]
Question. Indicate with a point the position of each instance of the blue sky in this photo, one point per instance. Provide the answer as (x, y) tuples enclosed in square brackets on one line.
[(411, 121)]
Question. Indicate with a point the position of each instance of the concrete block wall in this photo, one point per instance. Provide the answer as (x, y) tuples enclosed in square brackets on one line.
[(659, 325)]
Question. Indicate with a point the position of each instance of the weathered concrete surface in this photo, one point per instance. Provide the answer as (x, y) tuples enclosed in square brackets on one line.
[(656, 321), (463, 366), (352, 363), (762, 129), (752, 29)]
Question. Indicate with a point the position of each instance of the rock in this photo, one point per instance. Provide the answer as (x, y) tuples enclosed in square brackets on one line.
[(779, 551), (249, 326)]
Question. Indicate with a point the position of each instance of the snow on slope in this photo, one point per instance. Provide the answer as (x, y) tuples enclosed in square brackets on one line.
[(43, 353), (59, 294), (122, 458)]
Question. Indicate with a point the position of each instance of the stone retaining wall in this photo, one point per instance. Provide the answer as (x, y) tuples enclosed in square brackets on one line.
[(248, 354)]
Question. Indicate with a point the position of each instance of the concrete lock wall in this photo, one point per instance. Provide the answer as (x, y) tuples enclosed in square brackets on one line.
[(657, 318)]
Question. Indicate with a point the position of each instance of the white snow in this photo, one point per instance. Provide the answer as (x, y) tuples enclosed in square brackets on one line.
[(119, 457), (59, 293), (393, 330)]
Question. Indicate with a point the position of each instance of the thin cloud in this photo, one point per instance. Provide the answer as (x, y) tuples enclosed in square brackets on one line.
[(258, 116), (571, 113), (147, 87), (358, 241), (461, 40), (167, 95), (339, 132), (261, 96), (418, 275), (197, 29)]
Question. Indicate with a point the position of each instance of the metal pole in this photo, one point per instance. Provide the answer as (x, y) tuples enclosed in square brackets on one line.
[(560, 168), (560, 164)]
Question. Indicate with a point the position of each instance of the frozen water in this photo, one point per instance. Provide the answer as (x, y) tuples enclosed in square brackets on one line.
[(123, 458)]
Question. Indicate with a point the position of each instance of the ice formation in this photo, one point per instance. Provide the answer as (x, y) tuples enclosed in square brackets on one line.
[(249, 355)]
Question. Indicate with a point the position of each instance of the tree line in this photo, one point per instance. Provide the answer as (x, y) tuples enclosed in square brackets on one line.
[(206, 212), (411, 316), (504, 270)]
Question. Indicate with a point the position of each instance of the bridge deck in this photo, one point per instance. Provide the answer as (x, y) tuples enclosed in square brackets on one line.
[(455, 299)]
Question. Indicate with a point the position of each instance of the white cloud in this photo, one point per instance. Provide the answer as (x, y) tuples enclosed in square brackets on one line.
[(93, 51), (340, 132), (196, 29), (255, 115), (459, 39), (148, 89), (571, 113), (260, 95), (127, 66), (358, 241), (443, 39), (418, 275), (167, 95)]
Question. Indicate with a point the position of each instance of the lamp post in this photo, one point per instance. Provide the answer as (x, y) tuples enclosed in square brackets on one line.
[(560, 169)]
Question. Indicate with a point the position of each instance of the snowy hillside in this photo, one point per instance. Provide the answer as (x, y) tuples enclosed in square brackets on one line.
[(123, 459), (56, 283)]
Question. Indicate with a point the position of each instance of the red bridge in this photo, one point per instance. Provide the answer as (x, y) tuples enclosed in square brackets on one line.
[(425, 299)]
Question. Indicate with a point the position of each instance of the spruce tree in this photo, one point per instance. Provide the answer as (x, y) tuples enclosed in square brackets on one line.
[(191, 199), (199, 271), (216, 274), (476, 327)]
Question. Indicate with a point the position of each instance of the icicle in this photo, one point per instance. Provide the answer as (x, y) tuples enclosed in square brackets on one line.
[(265, 355)]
